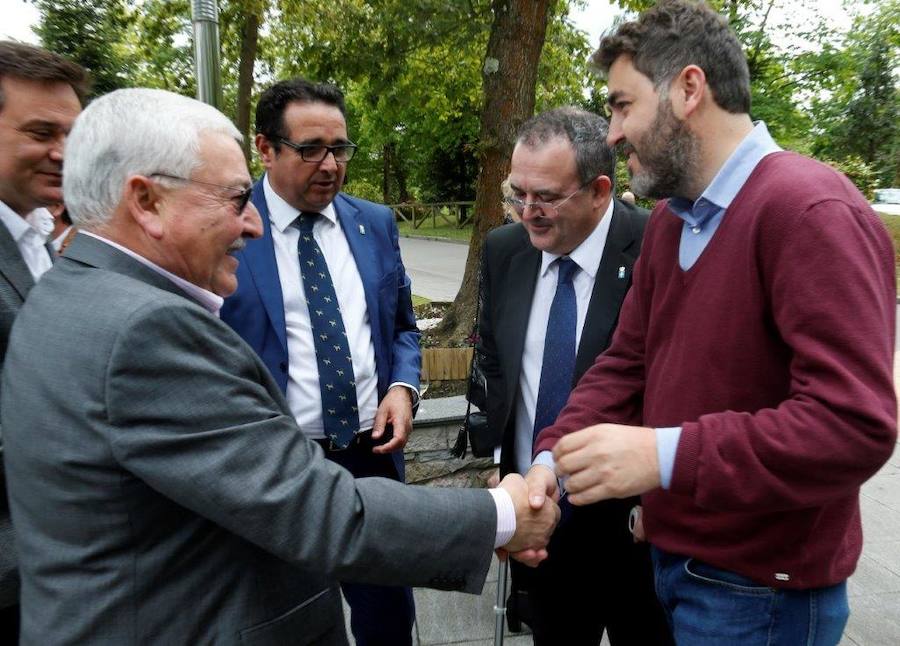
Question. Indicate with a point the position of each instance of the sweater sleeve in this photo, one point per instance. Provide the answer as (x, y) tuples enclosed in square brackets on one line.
[(829, 277)]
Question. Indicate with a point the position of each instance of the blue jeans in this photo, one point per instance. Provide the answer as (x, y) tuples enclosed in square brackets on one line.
[(707, 606)]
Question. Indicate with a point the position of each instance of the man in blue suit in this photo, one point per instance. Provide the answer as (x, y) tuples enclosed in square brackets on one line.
[(325, 301)]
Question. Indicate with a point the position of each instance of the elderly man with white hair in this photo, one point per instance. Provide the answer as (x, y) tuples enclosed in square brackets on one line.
[(160, 487)]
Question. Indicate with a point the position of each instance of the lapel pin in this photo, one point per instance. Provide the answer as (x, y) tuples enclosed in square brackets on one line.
[(621, 272), (362, 229)]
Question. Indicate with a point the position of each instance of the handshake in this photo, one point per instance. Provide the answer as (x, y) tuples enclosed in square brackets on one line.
[(537, 514)]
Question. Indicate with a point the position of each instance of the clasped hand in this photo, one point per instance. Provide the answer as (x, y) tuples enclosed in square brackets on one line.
[(536, 516), (607, 461)]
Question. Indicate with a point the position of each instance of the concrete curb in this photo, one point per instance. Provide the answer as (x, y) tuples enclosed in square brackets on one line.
[(435, 239)]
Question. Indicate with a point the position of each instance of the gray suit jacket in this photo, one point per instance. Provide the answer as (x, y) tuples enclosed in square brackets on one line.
[(162, 493), (15, 283)]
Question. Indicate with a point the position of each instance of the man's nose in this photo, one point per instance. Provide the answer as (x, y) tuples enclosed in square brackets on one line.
[(56, 148), (615, 135), (253, 227), (329, 163)]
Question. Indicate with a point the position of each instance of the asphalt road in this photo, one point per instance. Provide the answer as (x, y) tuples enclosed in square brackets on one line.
[(435, 268)]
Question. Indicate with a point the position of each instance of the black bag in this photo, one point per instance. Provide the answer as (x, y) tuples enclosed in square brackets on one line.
[(481, 436), (475, 428)]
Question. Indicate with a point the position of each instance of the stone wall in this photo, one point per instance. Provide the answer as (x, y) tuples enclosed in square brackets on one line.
[(428, 459)]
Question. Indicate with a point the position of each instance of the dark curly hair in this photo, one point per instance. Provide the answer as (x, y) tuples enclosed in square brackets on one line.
[(677, 33)]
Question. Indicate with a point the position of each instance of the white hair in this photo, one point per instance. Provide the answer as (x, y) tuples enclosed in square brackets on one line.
[(132, 132)]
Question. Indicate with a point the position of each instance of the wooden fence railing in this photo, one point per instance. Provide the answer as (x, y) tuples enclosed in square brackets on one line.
[(446, 364), (457, 214)]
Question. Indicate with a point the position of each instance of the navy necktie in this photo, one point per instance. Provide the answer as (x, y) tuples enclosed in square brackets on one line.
[(558, 365), (340, 415)]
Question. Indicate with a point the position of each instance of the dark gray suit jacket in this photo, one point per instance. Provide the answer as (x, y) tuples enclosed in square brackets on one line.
[(163, 494), (509, 272), (15, 283)]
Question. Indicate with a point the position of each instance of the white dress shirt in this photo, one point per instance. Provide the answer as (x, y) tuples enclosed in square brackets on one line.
[(587, 256), (30, 234), (303, 392)]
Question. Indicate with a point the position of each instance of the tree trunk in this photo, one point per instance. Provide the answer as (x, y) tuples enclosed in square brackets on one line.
[(386, 173), (249, 42), (399, 174), (509, 78)]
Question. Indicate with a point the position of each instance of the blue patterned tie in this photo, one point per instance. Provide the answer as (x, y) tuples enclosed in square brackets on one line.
[(340, 415), (558, 364)]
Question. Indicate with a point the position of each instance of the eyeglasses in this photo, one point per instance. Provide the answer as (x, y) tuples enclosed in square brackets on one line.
[(316, 153), (241, 199), (550, 206)]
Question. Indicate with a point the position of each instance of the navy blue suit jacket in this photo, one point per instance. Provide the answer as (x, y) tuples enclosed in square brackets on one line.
[(256, 309)]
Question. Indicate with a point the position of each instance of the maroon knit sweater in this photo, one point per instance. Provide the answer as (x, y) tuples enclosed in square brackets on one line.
[(774, 354)]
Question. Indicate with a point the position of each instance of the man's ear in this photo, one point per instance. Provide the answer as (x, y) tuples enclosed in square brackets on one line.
[(600, 190), (266, 150), (687, 91), (142, 199)]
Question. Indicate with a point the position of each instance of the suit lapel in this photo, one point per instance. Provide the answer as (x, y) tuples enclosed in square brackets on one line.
[(12, 265), (259, 255), (518, 291), (361, 240), (612, 281)]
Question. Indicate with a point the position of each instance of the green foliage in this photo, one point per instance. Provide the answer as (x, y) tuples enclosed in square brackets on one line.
[(411, 72), (862, 174), (161, 42), (89, 32), (363, 189), (857, 114)]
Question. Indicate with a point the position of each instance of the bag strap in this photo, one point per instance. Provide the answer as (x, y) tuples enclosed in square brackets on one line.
[(459, 448)]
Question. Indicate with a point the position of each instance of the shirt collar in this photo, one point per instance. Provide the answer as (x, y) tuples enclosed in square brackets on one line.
[(588, 254), (39, 221), (729, 180), (282, 214), (210, 301)]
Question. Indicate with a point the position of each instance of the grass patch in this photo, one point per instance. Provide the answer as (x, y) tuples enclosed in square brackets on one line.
[(446, 231), (419, 300)]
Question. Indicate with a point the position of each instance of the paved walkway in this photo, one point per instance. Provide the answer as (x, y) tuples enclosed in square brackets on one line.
[(435, 268)]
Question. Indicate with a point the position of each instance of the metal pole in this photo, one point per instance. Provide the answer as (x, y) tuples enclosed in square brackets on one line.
[(500, 606), (205, 16)]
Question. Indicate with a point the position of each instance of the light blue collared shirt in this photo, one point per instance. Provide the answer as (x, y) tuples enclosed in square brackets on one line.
[(701, 219)]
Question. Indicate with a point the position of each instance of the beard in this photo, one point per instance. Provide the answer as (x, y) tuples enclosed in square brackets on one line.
[(668, 156)]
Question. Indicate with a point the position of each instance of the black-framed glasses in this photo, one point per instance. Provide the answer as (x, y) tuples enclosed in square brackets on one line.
[(242, 194), (316, 153), (550, 206)]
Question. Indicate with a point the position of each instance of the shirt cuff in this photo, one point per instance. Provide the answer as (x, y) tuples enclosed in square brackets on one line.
[(545, 458), (413, 390), (506, 516), (666, 448)]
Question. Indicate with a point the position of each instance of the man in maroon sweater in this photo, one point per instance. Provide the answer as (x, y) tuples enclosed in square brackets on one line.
[(747, 393)]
